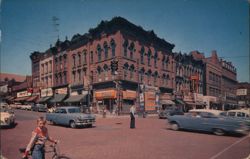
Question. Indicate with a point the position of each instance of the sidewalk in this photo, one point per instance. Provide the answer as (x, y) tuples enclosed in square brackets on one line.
[(123, 116)]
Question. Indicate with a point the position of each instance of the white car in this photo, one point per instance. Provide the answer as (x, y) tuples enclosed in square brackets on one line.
[(25, 107), (7, 118)]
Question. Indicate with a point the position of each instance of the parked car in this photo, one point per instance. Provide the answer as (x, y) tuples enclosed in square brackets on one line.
[(39, 108), (25, 107), (169, 111), (239, 113), (208, 122), (70, 116), (7, 117)]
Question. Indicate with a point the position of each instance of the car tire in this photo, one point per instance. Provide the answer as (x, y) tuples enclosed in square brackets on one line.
[(218, 132), (175, 126), (72, 124)]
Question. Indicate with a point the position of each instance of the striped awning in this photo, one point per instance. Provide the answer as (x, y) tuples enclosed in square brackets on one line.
[(21, 99), (43, 99)]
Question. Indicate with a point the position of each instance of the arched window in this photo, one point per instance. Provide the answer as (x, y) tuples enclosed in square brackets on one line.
[(142, 52), (131, 50), (125, 46), (155, 77), (155, 58), (125, 68), (149, 73), (113, 46), (106, 69), (99, 71), (132, 68), (142, 72), (149, 56), (99, 52), (105, 46)]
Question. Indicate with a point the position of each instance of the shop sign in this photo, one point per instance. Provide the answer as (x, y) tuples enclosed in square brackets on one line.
[(46, 92), (23, 94), (105, 94), (150, 101), (241, 92), (129, 94), (61, 91)]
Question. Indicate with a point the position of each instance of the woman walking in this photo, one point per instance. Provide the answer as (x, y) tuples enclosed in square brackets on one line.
[(132, 117)]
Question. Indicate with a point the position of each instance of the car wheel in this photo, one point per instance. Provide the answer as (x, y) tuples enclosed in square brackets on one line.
[(175, 126), (72, 124), (218, 132)]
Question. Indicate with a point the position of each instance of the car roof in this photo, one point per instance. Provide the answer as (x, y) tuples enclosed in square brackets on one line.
[(246, 111), (213, 111), (67, 107)]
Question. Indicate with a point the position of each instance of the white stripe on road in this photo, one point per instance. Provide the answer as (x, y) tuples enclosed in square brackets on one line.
[(218, 154)]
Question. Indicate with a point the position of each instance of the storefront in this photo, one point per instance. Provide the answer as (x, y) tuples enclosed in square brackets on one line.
[(106, 99), (59, 96), (22, 97), (128, 99), (166, 100)]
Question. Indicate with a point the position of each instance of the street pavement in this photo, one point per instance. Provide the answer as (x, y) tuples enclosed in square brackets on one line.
[(112, 138)]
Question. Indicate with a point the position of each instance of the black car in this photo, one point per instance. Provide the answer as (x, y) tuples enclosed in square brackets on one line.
[(170, 111), (39, 108)]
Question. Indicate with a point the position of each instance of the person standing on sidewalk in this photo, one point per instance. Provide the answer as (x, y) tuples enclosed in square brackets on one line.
[(132, 117)]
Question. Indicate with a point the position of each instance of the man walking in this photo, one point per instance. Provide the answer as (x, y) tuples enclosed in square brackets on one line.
[(132, 117)]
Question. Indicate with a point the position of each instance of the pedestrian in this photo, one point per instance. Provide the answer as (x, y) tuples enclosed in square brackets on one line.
[(37, 142), (132, 117)]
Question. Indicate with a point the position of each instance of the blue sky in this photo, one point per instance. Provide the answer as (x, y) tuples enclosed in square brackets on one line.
[(202, 25)]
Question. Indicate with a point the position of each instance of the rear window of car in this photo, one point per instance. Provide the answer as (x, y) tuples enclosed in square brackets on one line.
[(74, 110), (231, 113)]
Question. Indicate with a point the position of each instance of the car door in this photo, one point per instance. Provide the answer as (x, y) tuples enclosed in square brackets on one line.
[(60, 116)]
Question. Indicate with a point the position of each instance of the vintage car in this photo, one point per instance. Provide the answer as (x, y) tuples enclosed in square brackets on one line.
[(39, 108), (169, 111), (207, 122), (70, 116), (7, 117)]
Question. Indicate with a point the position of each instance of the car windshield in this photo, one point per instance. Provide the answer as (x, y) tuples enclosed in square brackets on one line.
[(74, 110)]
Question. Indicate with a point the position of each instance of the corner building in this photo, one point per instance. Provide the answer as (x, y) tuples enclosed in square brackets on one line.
[(143, 60)]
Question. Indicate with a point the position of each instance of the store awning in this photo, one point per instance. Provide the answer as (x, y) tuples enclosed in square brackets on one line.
[(178, 101), (76, 98), (43, 99), (167, 102), (32, 99), (195, 103), (9, 98), (21, 99), (58, 98)]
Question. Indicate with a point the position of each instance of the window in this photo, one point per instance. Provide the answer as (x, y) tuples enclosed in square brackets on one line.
[(74, 61), (91, 57), (131, 49), (99, 52), (84, 56), (142, 54), (149, 57), (105, 72), (125, 46), (65, 77), (155, 59), (79, 75), (105, 46), (132, 72), (99, 70), (126, 66), (113, 46)]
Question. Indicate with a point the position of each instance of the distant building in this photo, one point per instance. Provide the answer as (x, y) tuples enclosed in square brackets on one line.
[(243, 94)]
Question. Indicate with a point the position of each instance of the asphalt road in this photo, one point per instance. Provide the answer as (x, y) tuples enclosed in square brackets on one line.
[(111, 138)]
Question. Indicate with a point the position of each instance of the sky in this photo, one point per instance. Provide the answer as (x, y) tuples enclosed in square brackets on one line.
[(203, 25)]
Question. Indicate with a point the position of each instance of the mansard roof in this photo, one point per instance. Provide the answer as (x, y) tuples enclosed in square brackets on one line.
[(130, 29)]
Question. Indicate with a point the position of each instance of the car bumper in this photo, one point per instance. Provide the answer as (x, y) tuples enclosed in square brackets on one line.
[(88, 122)]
